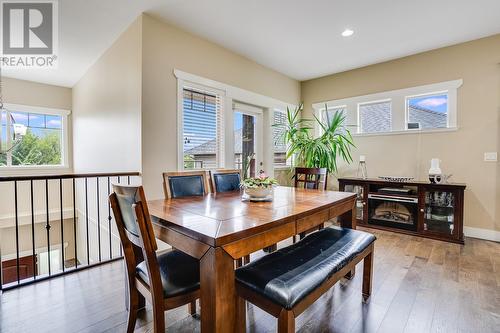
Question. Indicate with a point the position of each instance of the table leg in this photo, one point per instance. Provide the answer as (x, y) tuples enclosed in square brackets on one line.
[(218, 293), (348, 220)]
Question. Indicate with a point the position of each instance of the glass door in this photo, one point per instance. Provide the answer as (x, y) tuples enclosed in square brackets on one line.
[(439, 212), (360, 199), (247, 140)]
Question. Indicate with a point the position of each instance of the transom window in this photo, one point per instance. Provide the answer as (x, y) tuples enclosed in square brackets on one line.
[(427, 112), (31, 138), (427, 108), (375, 117)]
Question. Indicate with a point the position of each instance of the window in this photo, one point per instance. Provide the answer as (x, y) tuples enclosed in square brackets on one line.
[(375, 117), (427, 108), (327, 114), (30, 138), (279, 145), (427, 111), (201, 129)]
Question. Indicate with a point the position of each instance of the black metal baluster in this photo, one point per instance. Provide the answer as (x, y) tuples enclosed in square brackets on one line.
[(33, 230), (121, 251), (47, 225), (17, 231), (74, 223), (62, 221), (98, 220), (87, 220), (128, 180), (109, 221)]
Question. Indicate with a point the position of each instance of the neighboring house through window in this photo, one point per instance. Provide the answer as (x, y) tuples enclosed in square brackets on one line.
[(427, 112), (201, 129)]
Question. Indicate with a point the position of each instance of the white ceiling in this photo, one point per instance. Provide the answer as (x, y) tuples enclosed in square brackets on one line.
[(298, 38)]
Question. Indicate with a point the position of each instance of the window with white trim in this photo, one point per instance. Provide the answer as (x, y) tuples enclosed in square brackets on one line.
[(326, 115), (375, 117), (30, 137), (427, 111), (427, 108), (202, 129), (279, 143)]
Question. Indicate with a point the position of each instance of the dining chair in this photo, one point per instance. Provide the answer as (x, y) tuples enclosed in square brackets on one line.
[(185, 184), (225, 180), (310, 178), (167, 280)]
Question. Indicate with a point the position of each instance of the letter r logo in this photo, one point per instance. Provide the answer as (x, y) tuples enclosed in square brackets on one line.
[(27, 27)]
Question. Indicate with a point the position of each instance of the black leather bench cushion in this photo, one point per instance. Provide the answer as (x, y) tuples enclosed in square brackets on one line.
[(180, 273), (290, 274)]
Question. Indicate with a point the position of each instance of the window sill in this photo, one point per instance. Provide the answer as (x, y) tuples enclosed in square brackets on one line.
[(412, 131), (34, 170)]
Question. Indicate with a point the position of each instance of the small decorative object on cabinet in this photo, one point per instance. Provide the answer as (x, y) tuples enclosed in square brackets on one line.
[(413, 207)]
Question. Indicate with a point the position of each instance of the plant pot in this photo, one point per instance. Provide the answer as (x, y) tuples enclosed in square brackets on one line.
[(259, 192)]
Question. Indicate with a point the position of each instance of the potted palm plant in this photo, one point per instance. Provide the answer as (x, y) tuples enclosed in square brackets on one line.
[(323, 151)]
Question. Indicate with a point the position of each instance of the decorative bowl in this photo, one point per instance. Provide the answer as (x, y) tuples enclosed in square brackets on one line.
[(259, 192)]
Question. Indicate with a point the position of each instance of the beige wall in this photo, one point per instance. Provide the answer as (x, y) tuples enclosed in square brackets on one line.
[(107, 109), (36, 94), (461, 152), (166, 48)]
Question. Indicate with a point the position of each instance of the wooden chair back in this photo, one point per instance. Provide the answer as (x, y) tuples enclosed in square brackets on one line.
[(185, 183), (225, 180), (136, 232), (311, 178)]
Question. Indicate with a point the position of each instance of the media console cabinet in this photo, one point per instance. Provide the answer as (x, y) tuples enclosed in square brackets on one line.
[(413, 207)]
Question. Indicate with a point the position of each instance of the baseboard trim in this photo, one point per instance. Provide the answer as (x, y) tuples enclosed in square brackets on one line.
[(486, 234)]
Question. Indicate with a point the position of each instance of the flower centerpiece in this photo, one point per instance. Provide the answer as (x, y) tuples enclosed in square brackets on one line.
[(257, 188)]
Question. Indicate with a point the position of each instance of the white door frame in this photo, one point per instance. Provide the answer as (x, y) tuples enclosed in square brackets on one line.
[(259, 130)]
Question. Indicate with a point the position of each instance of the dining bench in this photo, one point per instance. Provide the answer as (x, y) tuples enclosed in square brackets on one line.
[(288, 281)]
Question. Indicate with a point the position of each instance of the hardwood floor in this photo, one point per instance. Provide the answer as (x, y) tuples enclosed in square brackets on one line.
[(420, 285)]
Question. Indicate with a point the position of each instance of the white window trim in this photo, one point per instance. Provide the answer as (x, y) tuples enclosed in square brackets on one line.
[(232, 95), (399, 107), (65, 137)]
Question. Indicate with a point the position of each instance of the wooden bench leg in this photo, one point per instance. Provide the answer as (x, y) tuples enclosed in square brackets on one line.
[(241, 313), (286, 322), (192, 308), (367, 276)]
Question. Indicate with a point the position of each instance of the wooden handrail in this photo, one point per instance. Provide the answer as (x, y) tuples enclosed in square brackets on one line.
[(67, 176)]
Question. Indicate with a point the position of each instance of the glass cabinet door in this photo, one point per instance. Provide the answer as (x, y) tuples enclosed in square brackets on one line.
[(360, 199), (439, 212)]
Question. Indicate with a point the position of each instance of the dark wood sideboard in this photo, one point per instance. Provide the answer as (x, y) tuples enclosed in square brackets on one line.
[(413, 207)]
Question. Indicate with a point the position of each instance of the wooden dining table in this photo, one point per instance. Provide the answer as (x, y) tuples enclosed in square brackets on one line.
[(220, 228)]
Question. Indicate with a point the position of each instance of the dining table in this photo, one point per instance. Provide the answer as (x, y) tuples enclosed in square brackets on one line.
[(219, 228)]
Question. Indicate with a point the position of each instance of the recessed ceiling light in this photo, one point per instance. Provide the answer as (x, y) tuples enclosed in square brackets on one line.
[(347, 32)]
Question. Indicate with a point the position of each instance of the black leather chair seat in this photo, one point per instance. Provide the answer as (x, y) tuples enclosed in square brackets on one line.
[(290, 274), (180, 273)]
